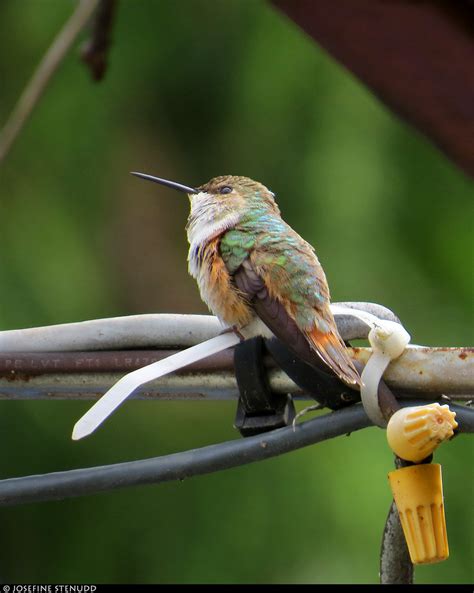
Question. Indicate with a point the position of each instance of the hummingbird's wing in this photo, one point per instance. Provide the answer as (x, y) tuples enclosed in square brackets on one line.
[(287, 288), (317, 348), (273, 313)]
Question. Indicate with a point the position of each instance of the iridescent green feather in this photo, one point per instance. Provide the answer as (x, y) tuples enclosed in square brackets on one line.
[(235, 247), (286, 260)]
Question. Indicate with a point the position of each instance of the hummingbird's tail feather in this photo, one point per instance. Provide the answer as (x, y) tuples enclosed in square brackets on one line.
[(333, 352)]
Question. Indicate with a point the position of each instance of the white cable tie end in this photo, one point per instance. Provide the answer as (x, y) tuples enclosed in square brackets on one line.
[(119, 392), (389, 338)]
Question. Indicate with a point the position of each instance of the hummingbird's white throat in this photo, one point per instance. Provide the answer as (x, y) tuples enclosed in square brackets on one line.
[(209, 217)]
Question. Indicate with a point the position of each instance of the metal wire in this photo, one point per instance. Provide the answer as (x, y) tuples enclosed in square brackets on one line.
[(178, 466)]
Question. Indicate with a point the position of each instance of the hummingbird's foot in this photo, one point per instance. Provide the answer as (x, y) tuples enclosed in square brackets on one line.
[(234, 330), (304, 411), (237, 331)]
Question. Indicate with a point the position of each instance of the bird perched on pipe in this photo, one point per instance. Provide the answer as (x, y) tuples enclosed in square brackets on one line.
[(257, 275)]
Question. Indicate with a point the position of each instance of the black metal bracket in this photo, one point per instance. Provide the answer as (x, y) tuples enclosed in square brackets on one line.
[(259, 409)]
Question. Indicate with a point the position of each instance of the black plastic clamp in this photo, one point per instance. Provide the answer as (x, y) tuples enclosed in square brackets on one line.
[(259, 409)]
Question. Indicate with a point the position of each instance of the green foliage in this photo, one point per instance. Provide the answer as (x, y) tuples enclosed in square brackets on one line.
[(194, 90)]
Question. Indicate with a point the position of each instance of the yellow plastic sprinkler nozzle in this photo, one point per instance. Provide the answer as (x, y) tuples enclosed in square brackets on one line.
[(414, 433), (418, 494)]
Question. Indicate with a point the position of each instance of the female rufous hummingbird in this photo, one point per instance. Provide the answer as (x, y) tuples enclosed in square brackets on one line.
[(252, 267)]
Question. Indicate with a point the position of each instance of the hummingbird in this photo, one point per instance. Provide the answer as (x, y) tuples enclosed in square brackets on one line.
[(257, 274)]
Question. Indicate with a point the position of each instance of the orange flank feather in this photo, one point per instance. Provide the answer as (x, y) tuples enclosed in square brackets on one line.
[(218, 290)]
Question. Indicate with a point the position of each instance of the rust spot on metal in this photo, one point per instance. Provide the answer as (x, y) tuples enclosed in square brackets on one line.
[(463, 356), (16, 376)]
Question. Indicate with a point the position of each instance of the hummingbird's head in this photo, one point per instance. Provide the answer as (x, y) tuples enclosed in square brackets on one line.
[(221, 203), (231, 192)]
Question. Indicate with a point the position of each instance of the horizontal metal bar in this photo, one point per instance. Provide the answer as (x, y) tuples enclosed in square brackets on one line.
[(425, 372)]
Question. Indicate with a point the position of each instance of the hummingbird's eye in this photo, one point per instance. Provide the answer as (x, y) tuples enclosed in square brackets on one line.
[(225, 189)]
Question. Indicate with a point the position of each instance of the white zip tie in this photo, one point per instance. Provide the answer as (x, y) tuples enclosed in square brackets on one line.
[(368, 318), (388, 340), (119, 392)]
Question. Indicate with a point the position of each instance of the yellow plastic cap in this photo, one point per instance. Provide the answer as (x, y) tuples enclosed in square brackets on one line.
[(414, 433), (418, 494)]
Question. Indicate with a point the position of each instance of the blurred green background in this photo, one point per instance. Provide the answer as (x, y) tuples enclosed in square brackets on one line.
[(194, 90)]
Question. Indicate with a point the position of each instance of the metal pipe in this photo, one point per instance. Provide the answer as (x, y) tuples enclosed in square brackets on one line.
[(425, 372)]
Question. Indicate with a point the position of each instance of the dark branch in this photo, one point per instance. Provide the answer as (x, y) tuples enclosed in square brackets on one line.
[(47, 67), (94, 51)]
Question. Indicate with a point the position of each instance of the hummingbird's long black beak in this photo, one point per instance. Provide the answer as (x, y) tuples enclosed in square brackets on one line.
[(167, 182)]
